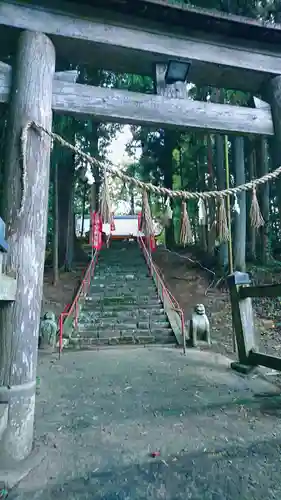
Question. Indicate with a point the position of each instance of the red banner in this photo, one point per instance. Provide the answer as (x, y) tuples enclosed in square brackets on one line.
[(152, 243), (112, 225), (96, 236)]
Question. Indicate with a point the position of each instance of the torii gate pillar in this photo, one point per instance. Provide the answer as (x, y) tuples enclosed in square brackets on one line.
[(30, 99)]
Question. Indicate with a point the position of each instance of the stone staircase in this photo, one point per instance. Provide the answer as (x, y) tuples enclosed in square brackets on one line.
[(122, 306)]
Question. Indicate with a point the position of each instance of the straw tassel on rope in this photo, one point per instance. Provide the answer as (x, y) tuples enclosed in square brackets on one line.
[(146, 220), (168, 214), (105, 203), (186, 233), (255, 214), (222, 226), (202, 214)]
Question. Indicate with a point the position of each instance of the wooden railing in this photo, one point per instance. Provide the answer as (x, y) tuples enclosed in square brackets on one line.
[(68, 319), (171, 306), (241, 294)]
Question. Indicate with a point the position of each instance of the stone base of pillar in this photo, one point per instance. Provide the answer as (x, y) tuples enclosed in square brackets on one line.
[(11, 474), (240, 368)]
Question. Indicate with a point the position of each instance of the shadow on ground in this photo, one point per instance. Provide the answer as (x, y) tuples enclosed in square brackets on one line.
[(102, 414), (234, 472)]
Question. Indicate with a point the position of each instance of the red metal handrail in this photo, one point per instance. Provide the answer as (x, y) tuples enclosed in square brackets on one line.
[(161, 287), (74, 307)]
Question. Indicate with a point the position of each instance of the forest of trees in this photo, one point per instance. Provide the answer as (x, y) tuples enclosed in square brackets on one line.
[(192, 160)]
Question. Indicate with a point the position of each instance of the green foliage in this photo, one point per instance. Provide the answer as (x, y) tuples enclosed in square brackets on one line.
[(168, 158)]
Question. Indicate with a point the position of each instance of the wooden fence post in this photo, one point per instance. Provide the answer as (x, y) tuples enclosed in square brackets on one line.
[(242, 319)]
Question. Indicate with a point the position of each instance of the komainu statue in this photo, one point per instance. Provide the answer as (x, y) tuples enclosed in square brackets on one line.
[(48, 330), (199, 326)]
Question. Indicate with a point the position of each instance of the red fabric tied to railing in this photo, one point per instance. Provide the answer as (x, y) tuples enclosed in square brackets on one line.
[(112, 225), (150, 240), (96, 239)]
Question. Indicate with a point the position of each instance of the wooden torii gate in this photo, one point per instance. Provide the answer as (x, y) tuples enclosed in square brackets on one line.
[(135, 37)]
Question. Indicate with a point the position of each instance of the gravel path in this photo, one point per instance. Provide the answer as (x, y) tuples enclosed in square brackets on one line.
[(100, 415)]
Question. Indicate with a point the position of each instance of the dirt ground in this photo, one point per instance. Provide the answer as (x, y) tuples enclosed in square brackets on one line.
[(150, 423), (101, 415), (191, 285), (55, 298)]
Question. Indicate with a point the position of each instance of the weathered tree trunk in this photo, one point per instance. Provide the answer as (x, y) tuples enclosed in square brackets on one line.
[(69, 254), (220, 170), (93, 198), (85, 188), (263, 163), (65, 183), (168, 183), (200, 164), (251, 164), (176, 90), (69, 247), (220, 174), (95, 188), (240, 219), (166, 164), (93, 205), (132, 201), (55, 225), (211, 237), (94, 151), (273, 95), (31, 99)]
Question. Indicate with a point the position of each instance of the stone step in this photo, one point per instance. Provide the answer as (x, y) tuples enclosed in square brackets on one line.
[(114, 305), (129, 257), (122, 267), (166, 336), (122, 322), (123, 248), (99, 298), (128, 278), (140, 272), (122, 329), (117, 256), (93, 343), (111, 338), (140, 314), (129, 261), (123, 311), (105, 278), (122, 288), (121, 278), (125, 291)]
